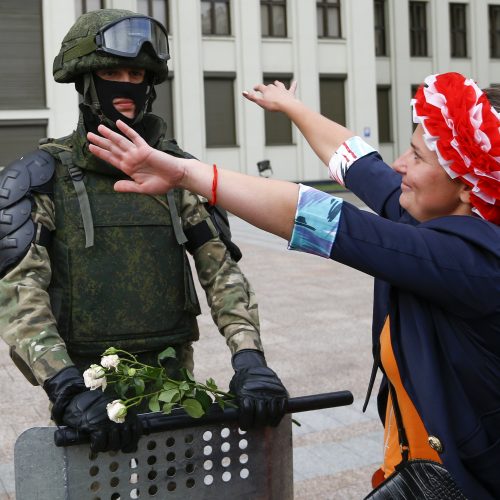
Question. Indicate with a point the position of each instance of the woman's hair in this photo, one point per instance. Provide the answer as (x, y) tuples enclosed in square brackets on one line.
[(493, 95)]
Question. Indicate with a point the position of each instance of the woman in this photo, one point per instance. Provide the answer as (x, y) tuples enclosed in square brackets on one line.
[(434, 249)]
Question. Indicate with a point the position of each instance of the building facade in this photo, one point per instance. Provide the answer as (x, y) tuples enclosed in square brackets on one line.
[(356, 61)]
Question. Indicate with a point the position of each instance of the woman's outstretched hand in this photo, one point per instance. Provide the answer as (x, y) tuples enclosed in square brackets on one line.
[(151, 171), (266, 203), (273, 97)]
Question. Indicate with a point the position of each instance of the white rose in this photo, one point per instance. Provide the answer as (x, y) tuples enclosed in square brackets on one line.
[(110, 361), (117, 411), (94, 377)]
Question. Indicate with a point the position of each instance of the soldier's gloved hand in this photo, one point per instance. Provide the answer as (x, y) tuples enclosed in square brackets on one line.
[(260, 394), (85, 411)]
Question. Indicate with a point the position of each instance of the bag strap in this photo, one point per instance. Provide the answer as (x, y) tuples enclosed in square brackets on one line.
[(65, 155), (176, 220), (375, 367), (174, 213), (403, 440), (76, 175)]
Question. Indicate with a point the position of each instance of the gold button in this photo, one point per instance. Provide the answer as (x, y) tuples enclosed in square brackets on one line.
[(435, 444)]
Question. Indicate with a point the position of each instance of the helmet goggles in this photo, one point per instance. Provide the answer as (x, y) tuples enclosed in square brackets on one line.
[(125, 37)]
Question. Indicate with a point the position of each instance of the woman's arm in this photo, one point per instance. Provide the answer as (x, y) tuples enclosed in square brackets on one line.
[(433, 260), (266, 203), (323, 135)]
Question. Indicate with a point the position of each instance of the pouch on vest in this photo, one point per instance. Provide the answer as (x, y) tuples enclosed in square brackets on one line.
[(201, 233)]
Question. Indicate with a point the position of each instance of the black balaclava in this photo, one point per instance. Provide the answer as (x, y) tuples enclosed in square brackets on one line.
[(97, 105), (107, 90)]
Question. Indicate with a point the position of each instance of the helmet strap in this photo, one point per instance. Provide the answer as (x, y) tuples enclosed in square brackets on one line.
[(151, 97), (85, 86)]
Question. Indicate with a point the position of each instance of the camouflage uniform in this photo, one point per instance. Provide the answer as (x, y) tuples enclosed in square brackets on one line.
[(29, 326), (93, 268)]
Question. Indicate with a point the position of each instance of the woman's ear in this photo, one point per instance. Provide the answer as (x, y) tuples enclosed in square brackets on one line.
[(465, 193)]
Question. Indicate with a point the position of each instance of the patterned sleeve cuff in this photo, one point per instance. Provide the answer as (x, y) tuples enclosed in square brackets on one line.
[(242, 338), (316, 222), (351, 150)]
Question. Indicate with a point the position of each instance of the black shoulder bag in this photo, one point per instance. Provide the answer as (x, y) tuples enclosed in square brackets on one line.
[(415, 479)]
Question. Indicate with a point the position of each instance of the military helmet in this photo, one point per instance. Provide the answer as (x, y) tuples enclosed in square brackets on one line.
[(112, 38)]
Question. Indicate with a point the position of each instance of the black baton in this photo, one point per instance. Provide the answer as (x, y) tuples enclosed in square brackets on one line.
[(178, 419)]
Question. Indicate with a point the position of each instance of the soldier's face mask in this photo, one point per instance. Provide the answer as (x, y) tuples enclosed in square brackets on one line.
[(126, 37), (108, 90)]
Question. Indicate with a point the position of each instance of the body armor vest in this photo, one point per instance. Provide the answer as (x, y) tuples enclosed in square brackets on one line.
[(132, 289)]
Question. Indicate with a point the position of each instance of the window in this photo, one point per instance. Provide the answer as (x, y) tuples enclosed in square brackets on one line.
[(273, 18), (494, 31), (164, 105), (380, 28), (458, 29), (328, 15), (215, 18), (384, 113), (278, 126), (159, 9), (84, 6), (418, 29), (18, 137), (332, 97), (22, 79), (220, 122)]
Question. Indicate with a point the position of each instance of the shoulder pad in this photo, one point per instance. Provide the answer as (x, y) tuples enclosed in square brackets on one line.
[(14, 246), (32, 172), (14, 216)]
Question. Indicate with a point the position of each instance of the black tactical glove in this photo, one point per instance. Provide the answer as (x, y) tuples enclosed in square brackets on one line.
[(261, 396), (85, 411)]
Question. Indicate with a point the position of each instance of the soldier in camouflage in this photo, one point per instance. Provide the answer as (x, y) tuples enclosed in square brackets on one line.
[(84, 267)]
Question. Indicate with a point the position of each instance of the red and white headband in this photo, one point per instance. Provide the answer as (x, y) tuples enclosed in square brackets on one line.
[(462, 127)]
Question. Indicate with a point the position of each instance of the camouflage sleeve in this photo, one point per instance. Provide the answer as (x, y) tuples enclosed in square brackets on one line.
[(27, 324), (229, 294)]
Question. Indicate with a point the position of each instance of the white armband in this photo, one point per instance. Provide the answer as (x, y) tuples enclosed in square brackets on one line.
[(351, 150)]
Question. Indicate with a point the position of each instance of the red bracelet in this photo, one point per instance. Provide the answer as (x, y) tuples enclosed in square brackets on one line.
[(213, 201)]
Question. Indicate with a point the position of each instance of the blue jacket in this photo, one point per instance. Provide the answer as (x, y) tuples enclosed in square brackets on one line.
[(439, 281)]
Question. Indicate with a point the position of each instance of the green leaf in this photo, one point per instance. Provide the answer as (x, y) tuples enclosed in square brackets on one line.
[(184, 386), (204, 399), (152, 372), (109, 350), (170, 385), (193, 408), (121, 370), (191, 393), (154, 405), (168, 396), (187, 375), (167, 408), (139, 386), (169, 352), (121, 389), (210, 383), (157, 385)]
